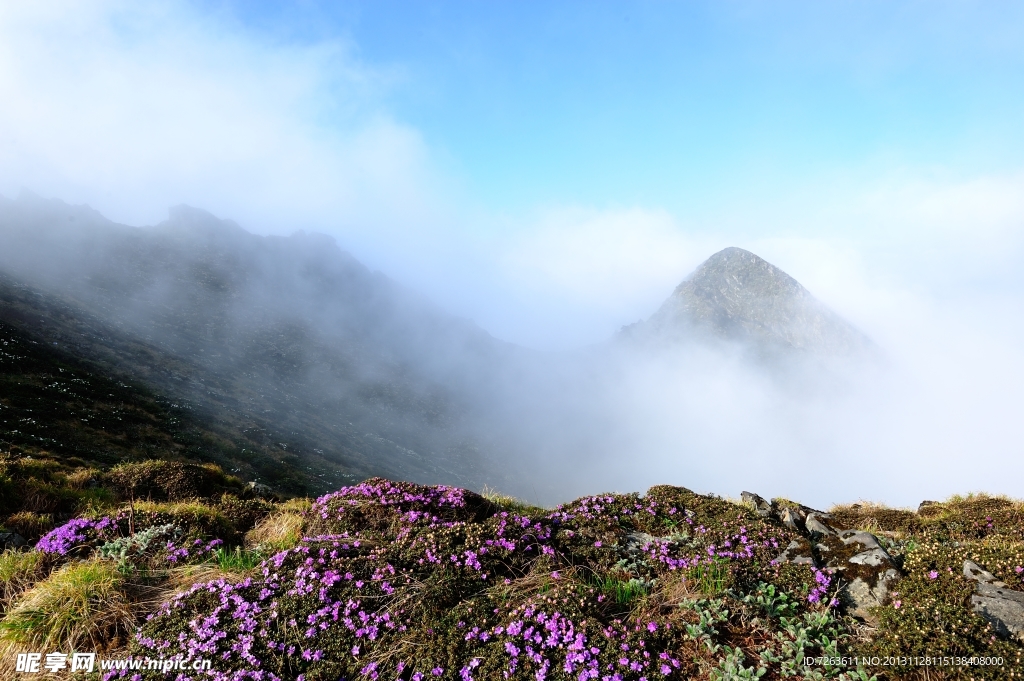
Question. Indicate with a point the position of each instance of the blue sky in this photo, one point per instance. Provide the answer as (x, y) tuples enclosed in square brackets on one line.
[(681, 105)]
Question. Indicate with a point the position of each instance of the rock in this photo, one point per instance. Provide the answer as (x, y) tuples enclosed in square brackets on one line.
[(872, 558), (1001, 607), (925, 504), (798, 553), (761, 507), (11, 540), (868, 568), (815, 526), (979, 574), (862, 595), (635, 541), (865, 539), (790, 518), (261, 490)]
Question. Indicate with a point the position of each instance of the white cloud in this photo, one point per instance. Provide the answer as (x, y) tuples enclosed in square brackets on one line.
[(134, 107)]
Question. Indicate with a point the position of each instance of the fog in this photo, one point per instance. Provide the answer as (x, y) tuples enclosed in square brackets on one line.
[(131, 111)]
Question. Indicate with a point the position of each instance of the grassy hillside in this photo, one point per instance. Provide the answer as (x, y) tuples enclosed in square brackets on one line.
[(391, 580)]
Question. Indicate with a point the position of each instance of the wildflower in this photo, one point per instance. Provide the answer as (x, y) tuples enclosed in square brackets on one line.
[(933, 575)]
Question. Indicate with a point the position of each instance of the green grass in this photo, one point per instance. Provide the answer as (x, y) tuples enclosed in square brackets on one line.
[(237, 560), (711, 578), (622, 592)]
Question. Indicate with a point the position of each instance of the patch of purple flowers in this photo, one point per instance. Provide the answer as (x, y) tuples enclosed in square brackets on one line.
[(74, 533)]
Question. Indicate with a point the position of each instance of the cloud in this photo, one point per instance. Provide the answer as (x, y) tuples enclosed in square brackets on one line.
[(597, 269), (135, 107)]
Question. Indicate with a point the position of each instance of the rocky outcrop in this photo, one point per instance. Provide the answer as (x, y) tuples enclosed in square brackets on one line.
[(1003, 608), (865, 568), (761, 507)]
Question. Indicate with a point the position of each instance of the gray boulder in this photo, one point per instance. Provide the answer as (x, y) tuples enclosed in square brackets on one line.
[(1001, 607), (868, 568), (815, 526), (865, 569), (11, 540), (792, 519)]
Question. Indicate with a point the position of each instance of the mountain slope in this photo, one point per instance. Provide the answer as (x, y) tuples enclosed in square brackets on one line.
[(55, 406), (290, 336)]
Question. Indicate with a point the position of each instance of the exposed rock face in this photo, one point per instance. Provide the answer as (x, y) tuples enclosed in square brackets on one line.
[(866, 569), (735, 295), (870, 571), (1002, 607)]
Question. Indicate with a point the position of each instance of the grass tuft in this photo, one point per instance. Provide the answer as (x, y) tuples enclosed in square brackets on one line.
[(238, 560), (18, 569), (508, 502), (82, 605), (278, 532)]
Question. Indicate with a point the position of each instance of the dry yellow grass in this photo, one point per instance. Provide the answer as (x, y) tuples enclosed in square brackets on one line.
[(278, 531)]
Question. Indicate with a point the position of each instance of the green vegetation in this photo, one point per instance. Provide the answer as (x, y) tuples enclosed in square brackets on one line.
[(237, 560)]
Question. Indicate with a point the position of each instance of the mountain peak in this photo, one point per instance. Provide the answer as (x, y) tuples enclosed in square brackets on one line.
[(734, 274), (736, 295)]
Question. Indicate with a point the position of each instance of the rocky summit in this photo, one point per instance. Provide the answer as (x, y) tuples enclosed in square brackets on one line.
[(737, 296)]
